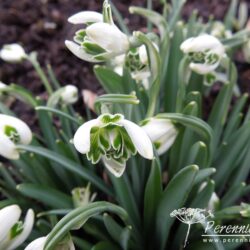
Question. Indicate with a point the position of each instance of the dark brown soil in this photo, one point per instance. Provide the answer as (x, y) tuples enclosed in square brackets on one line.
[(25, 21)]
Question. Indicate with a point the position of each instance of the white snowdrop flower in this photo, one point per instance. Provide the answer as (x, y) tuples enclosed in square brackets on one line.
[(69, 94), (205, 52), (162, 133), (101, 39), (39, 244), (12, 53), (14, 232), (113, 139), (13, 131)]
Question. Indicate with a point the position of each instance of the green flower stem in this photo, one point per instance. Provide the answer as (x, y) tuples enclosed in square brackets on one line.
[(33, 59), (155, 68), (115, 98)]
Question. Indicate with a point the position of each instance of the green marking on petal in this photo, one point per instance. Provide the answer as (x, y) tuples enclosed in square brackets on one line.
[(107, 118), (12, 133), (16, 230), (92, 48)]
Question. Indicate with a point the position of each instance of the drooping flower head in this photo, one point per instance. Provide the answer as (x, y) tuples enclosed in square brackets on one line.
[(69, 94), (205, 53), (14, 232), (101, 39), (13, 131), (112, 139), (162, 133), (12, 53)]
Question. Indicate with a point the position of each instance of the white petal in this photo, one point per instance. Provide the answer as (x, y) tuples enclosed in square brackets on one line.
[(7, 147), (22, 128), (203, 69), (12, 53), (70, 94), (167, 141), (114, 167), (86, 17), (9, 216), (143, 53), (37, 244), (3, 85), (79, 52), (139, 138), (82, 136), (202, 43), (27, 227), (109, 37), (156, 128)]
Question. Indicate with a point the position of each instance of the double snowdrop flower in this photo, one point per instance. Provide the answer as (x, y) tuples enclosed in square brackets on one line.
[(12, 53), (39, 244), (138, 63), (205, 53), (162, 133), (69, 94), (112, 139), (101, 39), (12, 131), (14, 232)]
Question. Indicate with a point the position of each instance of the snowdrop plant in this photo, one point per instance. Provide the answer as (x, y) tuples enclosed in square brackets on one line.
[(99, 41), (205, 53), (14, 232), (175, 155), (12, 132), (112, 139)]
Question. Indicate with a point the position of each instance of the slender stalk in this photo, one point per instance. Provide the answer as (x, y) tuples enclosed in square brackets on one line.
[(32, 58)]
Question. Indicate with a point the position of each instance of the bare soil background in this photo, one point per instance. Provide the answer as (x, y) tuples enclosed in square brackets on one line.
[(41, 25)]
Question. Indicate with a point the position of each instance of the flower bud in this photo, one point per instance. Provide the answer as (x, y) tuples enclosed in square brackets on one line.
[(162, 133), (69, 94), (13, 131), (205, 53), (82, 196), (14, 232), (12, 53)]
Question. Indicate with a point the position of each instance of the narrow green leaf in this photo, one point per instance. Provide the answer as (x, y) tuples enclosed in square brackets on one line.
[(173, 197)]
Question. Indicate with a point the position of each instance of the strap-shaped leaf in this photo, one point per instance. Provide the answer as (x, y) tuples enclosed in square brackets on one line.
[(154, 17), (174, 197), (78, 217), (192, 122), (68, 164), (48, 196), (153, 193), (110, 81)]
